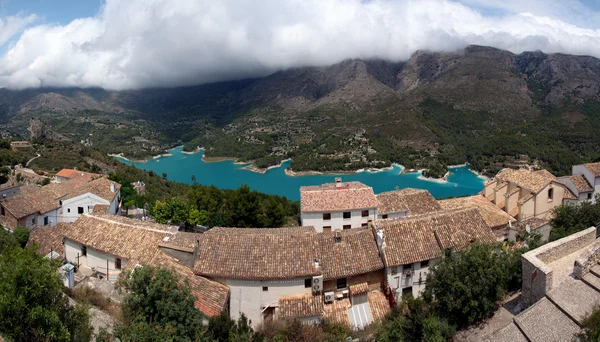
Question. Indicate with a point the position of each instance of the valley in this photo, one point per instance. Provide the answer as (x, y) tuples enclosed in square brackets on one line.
[(482, 105)]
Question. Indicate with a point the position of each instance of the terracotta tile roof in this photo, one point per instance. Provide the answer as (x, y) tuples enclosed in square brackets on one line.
[(127, 238), (415, 201), (580, 183), (31, 199), (211, 296), (258, 253), (568, 194), (147, 225), (337, 312), (413, 239), (492, 215), (101, 208), (594, 168), (48, 238), (66, 173), (379, 305), (300, 306), (79, 186), (183, 241), (356, 254), (533, 181), (275, 231), (328, 197), (500, 186), (72, 174), (360, 288), (533, 222)]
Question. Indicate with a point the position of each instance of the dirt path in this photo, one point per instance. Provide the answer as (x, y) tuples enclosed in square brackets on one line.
[(32, 159)]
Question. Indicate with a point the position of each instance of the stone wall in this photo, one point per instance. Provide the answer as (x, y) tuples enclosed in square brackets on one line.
[(589, 257), (537, 276)]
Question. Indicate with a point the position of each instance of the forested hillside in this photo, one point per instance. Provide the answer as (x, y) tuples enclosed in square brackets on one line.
[(481, 105)]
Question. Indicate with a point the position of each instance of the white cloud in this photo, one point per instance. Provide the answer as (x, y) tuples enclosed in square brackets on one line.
[(12, 25), (150, 43)]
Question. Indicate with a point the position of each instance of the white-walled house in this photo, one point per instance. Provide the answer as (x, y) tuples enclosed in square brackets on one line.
[(405, 202), (296, 273), (337, 206), (410, 245), (591, 172), (259, 265), (78, 196), (580, 187), (109, 245), (30, 208)]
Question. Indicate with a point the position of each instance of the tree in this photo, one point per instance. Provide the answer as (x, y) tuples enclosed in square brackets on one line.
[(164, 175), (174, 210), (465, 287), (570, 219), (198, 217), (21, 235), (33, 306), (159, 301), (219, 327), (591, 327)]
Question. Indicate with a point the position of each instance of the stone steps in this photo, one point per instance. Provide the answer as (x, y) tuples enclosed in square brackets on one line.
[(592, 280), (595, 270)]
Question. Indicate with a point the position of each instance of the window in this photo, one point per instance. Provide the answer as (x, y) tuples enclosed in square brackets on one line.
[(394, 270), (265, 288), (347, 214), (59, 202), (118, 263), (424, 263), (68, 210), (307, 283), (550, 194), (326, 216), (365, 213), (80, 210), (33, 220), (83, 250), (327, 229), (341, 283), (589, 197), (45, 220), (407, 291), (347, 226), (364, 225), (2, 210), (384, 216), (407, 267)]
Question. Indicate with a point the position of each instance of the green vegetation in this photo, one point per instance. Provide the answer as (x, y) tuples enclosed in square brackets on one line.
[(21, 235), (211, 206), (591, 327), (33, 306), (414, 320), (159, 307), (465, 288), (570, 219)]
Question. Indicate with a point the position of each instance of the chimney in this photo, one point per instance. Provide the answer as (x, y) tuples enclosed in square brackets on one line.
[(317, 263), (113, 187), (337, 236), (338, 182), (380, 240)]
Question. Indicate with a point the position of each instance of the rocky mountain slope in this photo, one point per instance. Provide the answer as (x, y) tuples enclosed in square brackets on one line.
[(481, 105)]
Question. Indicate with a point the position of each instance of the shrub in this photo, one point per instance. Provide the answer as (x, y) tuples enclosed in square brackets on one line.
[(21, 235)]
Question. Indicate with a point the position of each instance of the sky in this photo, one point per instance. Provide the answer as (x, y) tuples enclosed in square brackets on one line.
[(132, 44)]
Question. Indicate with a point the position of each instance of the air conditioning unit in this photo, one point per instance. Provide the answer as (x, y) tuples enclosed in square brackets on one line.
[(329, 297), (317, 284)]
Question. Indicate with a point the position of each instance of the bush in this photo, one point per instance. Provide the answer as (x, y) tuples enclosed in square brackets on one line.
[(591, 327), (465, 287), (21, 235)]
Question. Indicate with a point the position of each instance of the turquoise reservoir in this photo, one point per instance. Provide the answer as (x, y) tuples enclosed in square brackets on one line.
[(180, 167)]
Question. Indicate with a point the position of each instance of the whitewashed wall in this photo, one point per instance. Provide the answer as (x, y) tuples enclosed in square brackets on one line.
[(248, 297), (393, 215), (398, 281), (582, 170), (94, 258), (86, 201), (337, 221)]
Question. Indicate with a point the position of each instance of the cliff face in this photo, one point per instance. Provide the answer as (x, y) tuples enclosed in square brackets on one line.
[(40, 130)]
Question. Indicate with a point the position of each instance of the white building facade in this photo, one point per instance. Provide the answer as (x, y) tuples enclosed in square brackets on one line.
[(74, 207), (337, 206), (85, 256)]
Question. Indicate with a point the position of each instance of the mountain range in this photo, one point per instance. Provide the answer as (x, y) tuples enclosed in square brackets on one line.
[(481, 105)]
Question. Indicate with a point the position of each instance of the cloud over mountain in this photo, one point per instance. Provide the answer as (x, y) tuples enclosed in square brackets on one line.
[(142, 43)]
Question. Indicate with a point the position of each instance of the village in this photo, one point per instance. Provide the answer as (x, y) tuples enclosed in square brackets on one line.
[(354, 256)]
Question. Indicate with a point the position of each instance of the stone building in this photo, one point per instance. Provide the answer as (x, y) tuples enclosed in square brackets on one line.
[(405, 202)]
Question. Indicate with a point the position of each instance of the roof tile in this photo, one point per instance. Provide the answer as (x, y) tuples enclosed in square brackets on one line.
[(414, 201), (337, 197)]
